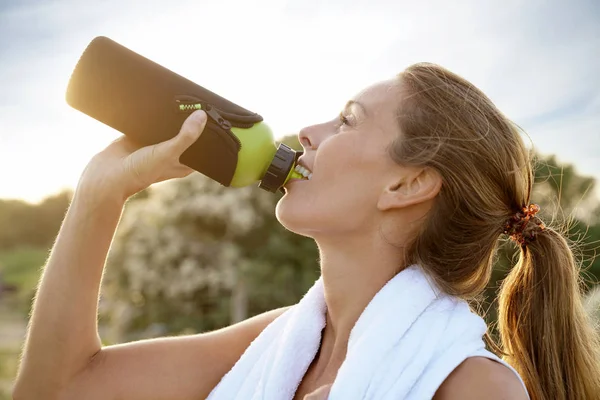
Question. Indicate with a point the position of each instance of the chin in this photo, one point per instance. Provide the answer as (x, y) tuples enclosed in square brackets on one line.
[(292, 216)]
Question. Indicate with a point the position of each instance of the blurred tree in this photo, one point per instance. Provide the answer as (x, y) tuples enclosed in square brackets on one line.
[(33, 225), (592, 305), (194, 255), (27, 232), (560, 185), (570, 203)]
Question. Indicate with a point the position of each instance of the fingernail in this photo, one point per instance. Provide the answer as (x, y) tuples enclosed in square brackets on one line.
[(200, 115)]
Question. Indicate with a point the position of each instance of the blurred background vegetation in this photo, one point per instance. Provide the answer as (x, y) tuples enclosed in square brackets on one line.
[(191, 255)]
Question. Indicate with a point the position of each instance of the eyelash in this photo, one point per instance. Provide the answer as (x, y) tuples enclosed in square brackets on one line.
[(344, 120)]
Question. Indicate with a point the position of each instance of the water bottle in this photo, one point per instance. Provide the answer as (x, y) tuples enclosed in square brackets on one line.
[(149, 103)]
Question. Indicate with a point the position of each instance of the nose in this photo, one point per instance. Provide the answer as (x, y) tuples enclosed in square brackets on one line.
[(304, 138), (311, 136)]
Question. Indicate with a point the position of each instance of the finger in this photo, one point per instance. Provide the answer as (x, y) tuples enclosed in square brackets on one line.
[(190, 132)]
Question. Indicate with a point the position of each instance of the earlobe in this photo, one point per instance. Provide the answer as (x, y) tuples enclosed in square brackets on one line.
[(418, 186)]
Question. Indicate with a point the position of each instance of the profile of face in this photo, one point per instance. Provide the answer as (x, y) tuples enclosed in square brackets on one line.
[(355, 183)]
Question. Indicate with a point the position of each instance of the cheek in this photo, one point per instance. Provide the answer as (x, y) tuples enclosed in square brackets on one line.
[(320, 208), (341, 197)]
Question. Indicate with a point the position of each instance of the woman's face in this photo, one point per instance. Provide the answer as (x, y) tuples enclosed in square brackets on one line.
[(350, 165)]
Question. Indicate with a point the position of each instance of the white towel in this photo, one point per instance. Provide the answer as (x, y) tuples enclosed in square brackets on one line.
[(406, 342)]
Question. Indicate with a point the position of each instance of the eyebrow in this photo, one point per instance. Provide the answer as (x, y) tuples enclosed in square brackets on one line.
[(350, 103)]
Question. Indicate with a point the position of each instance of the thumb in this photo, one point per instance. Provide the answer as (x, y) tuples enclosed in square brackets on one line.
[(190, 132)]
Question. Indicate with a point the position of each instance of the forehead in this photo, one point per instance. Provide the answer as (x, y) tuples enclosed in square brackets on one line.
[(381, 103), (380, 99)]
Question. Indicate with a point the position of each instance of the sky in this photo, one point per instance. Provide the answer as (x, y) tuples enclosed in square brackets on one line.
[(296, 63)]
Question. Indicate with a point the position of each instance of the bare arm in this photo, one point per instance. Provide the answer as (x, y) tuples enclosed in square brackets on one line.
[(63, 351), (63, 357), (62, 335), (175, 368)]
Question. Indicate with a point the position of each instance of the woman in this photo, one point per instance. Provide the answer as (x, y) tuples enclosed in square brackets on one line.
[(422, 169)]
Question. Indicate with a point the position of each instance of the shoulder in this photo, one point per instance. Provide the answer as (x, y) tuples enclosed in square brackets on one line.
[(481, 378)]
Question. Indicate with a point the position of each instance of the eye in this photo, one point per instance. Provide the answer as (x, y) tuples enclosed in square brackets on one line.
[(344, 120)]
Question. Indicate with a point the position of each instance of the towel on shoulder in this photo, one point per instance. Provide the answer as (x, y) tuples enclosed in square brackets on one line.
[(409, 338)]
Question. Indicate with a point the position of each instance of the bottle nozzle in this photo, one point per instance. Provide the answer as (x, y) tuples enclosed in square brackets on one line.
[(295, 175)]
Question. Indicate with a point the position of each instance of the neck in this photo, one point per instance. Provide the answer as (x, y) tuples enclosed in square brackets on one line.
[(353, 272)]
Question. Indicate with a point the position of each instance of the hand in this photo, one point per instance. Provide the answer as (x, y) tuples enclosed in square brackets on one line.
[(124, 168), (320, 394)]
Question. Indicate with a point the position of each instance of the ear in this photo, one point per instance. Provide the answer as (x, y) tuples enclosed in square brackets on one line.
[(416, 186)]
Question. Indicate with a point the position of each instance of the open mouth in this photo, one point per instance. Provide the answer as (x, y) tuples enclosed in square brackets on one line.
[(306, 173)]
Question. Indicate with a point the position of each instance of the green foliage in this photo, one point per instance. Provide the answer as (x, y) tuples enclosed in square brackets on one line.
[(592, 305), (21, 266), (8, 369), (561, 184), (27, 232), (20, 269), (12, 329), (34, 225)]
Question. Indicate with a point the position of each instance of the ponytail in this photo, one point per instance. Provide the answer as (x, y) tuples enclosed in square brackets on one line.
[(448, 124), (545, 332)]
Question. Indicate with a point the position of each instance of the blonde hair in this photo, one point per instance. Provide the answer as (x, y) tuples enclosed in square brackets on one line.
[(448, 124)]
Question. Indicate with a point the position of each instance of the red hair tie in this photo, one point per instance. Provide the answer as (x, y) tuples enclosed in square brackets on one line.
[(517, 224)]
